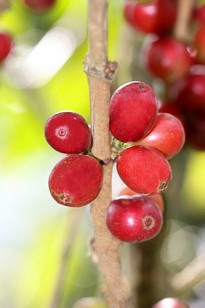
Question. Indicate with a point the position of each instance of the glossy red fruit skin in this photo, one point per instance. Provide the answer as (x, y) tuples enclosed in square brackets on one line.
[(134, 219), (68, 132), (6, 43), (39, 6), (132, 111), (167, 58), (199, 42), (170, 302), (76, 180), (144, 170), (156, 17), (167, 135), (189, 92), (199, 14)]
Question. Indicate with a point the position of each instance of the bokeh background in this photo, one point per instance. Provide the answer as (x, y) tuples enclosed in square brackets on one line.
[(42, 75)]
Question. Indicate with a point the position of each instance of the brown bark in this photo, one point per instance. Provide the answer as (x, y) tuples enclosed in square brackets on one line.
[(100, 73)]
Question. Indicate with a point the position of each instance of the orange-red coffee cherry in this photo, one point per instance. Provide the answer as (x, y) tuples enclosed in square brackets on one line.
[(167, 135), (144, 170), (133, 110), (158, 199), (134, 218), (68, 132), (170, 302), (6, 42), (39, 6), (76, 180)]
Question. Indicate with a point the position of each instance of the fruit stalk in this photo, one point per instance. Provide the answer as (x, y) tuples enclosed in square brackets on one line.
[(100, 73), (183, 18)]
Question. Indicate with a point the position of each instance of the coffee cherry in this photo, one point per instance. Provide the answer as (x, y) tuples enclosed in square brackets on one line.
[(134, 219), (5, 45), (199, 14), (167, 135), (158, 199), (76, 180), (144, 170), (189, 92), (39, 6), (155, 17), (68, 132), (167, 58), (133, 110), (171, 302)]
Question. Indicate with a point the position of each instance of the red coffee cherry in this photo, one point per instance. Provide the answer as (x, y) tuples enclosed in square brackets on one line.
[(5, 45), (167, 58), (39, 6), (68, 132), (76, 180), (158, 199), (167, 135), (155, 17), (134, 219), (133, 110), (144, 170), (189, 92)]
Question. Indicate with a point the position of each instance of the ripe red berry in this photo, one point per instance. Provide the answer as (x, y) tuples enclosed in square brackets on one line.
[(199, 14), (133, 110), (158, 199), (134, 219), (39, 6), (167, 58), (68, 132), (5, 45), (167, 135), (144, 170), (155, 17), (189, 92), (76, 180)]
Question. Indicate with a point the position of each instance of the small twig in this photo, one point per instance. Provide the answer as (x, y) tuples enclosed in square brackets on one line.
[(184, 12), (73, 226), (190, 276)]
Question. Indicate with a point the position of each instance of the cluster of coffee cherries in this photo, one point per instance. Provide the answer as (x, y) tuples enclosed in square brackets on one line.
[(143, 142), (180, 65), (76, 180), (148, 139)]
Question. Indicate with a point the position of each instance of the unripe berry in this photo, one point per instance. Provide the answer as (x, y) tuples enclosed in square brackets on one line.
[(76, 180), (167, 135), (39, 6), (68, 132), (144, 170), (133, 110), (5, 45), (134, 219)]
